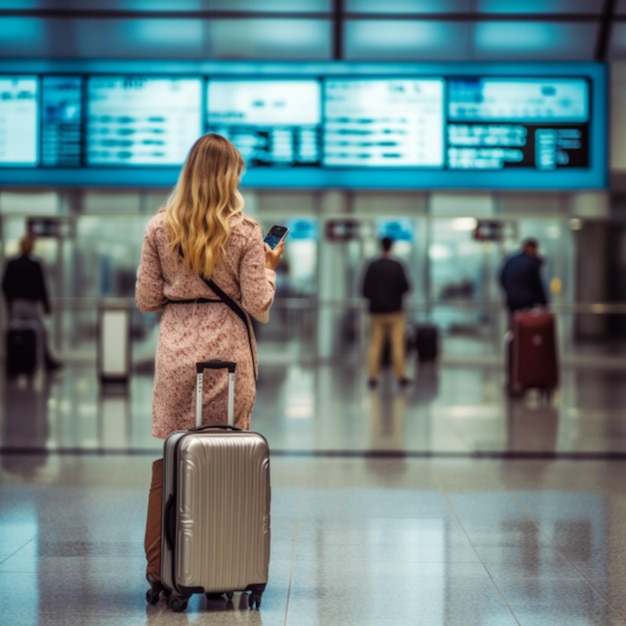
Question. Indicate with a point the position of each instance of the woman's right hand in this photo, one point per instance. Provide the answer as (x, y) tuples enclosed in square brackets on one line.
[(273, 257)]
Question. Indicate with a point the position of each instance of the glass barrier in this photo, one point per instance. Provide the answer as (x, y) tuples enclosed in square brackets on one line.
[(307, 331)]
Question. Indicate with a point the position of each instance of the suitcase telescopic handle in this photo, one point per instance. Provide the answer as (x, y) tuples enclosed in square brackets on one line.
[(216, 364)]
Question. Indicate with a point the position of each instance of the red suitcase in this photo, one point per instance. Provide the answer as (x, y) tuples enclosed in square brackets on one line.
[(534, 357)]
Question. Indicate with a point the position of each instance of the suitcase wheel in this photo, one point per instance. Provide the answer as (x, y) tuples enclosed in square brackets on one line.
[(177, 604), (254, 601), (152, 596)]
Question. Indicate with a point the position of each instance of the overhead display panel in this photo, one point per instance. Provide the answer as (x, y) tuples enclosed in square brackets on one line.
[(271, 122), (383, 123), (61, 121), (496, 123), (19, 122), (142, 121), (314, 125)]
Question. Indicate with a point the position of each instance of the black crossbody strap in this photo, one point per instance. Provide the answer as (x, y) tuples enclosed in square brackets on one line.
[(238, 310)]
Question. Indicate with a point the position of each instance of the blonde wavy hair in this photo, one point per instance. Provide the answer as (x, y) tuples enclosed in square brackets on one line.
[(203, 202)]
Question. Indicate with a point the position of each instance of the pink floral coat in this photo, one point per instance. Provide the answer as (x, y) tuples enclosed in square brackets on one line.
[(195, 332)]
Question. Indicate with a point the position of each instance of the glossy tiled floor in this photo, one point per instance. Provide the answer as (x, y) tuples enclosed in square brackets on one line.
[(445, 504)]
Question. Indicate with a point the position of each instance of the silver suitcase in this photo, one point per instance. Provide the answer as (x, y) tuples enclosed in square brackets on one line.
[(216, 507)]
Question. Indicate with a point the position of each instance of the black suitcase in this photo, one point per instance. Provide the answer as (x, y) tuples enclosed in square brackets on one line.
[(427, 342), (22, 338)]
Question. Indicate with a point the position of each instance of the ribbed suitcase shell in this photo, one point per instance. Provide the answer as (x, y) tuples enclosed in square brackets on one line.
[(535, 358), (218, 483)]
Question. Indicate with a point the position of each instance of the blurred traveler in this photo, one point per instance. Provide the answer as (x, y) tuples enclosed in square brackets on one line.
[(521, 280), (531, 351), (384, 285), (202, 233), (25, 292)]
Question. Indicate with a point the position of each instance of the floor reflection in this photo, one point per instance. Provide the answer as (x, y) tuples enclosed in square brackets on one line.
[(25, 424), (327, 409), (532, 425)]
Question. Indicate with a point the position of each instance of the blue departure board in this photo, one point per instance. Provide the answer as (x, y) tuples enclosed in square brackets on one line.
[(272, 122), (61, 121), (383, 123), (496, 123), (142, 121), (19, 121), (310, 125)]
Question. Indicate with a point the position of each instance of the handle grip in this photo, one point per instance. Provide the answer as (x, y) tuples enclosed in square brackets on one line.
[(216, 364), (216, 426)]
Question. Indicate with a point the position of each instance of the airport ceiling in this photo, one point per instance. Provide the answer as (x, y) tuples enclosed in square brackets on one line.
[(313, 30)]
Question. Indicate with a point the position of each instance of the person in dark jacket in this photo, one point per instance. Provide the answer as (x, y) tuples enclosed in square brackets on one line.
[(24, 289), (521, 280), (384, 285)]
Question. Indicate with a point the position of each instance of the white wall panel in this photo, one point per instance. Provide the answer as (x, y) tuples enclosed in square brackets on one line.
[(540, 205), (590, 204), (29, 202), (154, 200), (128, 203), (395, 205), (288, 203), (461, 205)]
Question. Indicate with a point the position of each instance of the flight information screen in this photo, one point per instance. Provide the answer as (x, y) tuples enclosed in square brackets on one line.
[(61, 121), (310, 125), (272, 122), (497, 123), (142, 121), (19, 122), (384, 122)]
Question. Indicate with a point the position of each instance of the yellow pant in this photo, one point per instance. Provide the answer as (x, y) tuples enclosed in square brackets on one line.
[(385, 325)]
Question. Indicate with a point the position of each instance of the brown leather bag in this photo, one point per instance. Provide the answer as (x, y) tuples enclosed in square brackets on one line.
[(152, 542)]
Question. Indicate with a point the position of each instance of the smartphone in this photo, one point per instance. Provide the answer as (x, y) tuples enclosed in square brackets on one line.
[(275, 235)]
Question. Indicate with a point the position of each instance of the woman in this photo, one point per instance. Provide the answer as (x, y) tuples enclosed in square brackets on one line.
[(202, 232)]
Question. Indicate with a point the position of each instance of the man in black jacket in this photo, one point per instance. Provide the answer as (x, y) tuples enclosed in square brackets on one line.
[(24, 289), (520, 278), (384, 285)]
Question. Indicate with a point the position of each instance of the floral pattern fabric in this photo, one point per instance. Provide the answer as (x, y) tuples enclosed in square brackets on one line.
[(194, 332)]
